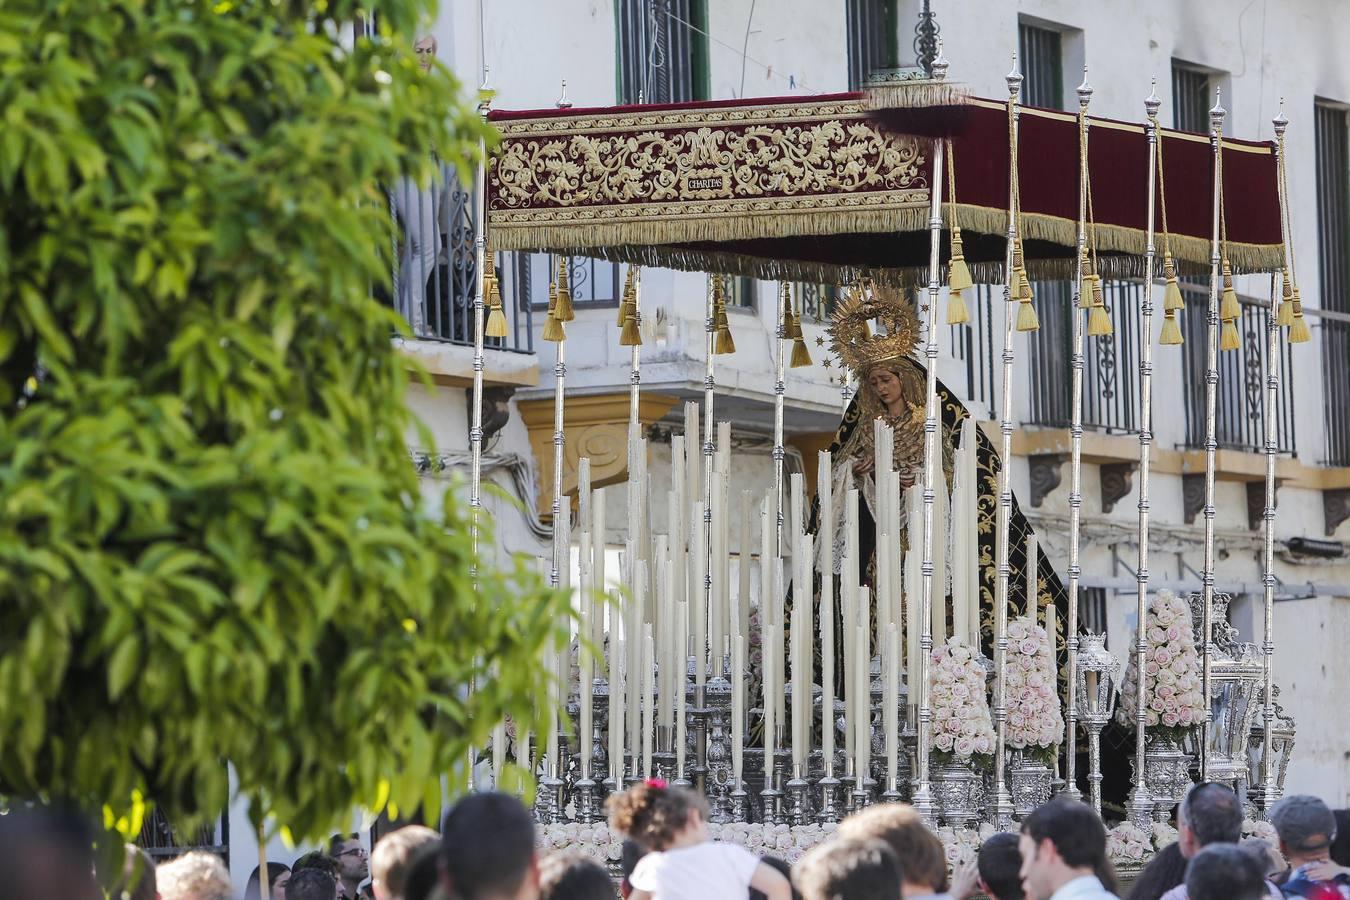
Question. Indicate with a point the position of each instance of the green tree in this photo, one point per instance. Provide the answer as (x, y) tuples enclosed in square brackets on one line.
[(213, 546)]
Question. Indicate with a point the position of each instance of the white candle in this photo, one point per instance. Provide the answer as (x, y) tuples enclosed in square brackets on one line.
[(780, 623), (825, 491), (633, 664), (848, 619), (664, 631), (716, 573), (548, 660), (743, 554), (598, 548), (798, 691), (648, 699), (939, 549), (584, 494), (616, 691), (698, 598), (890, 715), (740, 674), (693, 483), (969, 540), (770, 707), (863, 723), (913, 602), (585, 659), (1050, 632), (682, 643)]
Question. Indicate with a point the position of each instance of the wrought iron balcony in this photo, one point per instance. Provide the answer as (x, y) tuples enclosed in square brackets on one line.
[(435, 272)]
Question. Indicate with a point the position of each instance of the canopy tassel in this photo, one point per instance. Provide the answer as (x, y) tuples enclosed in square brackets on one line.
[(1285, 317), (1171, 332), (1172, 300), (1099, 323), (495, 326), (565, 312)]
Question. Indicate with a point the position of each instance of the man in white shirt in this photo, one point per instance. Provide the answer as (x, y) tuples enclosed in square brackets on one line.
[(1063, 846)]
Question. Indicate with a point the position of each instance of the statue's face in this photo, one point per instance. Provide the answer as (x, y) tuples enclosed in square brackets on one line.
[(885, 384), (425, 48)]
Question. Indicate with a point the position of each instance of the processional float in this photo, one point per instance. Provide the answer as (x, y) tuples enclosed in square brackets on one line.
[(784, 711)]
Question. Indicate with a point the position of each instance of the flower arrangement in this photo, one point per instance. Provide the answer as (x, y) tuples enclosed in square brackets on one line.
[(1172, 672), (1127, 843), (963, 847), (1163, 834), (962, 726), (1035, 723)]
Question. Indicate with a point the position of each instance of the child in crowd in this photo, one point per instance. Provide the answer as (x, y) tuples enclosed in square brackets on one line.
[(683, 863)]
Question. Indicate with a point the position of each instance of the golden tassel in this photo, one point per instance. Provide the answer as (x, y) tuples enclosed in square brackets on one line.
[(630, 335), (565, 312), (721, 323), (496, 320), (629, 295), (1171, 332), (1298, 332), (1229, 308), (800, 355), (958, 273), (1085, 283), (1099, 322), (1228, 336), (725, 343), (1172, 299), (1027, 319), (1285, 317), (957, 314), (553, 329), (793, 324)]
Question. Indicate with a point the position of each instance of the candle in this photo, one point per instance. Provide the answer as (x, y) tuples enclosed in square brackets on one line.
[(863, 686), (698, 597), (743, 554), (848, 620), (633, 663), (807, 645), (548, 660), (664, 631), (681, 680), (616, 688), (584, 494), (648, 699), (770, 708), (780, 623), (939, 550), (913, 589), (968, 540), (716, 572), (890, 715), (1050, 633), (740, 674), (693, 485), (798, 691), (598, 548), (585, 660)]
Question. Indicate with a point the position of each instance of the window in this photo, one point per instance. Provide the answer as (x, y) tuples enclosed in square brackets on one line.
[(1042, 66), (594, 282), (817, 300), (872, 39), (1332, 135), (739, 291), (1191, 98), (662, 50)]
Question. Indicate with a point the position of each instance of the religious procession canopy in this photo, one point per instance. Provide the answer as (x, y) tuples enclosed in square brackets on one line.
[(830, 188)]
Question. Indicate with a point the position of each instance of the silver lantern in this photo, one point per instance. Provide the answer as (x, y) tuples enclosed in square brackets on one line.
[(1282, 732), (1096, 696)]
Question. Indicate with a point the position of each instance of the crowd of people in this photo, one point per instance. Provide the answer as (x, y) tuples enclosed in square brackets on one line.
[(487, 850)]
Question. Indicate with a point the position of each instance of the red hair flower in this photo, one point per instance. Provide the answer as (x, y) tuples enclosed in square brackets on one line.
[(656, 783)]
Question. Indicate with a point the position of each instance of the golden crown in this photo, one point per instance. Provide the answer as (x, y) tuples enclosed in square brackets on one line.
[(852, 339)]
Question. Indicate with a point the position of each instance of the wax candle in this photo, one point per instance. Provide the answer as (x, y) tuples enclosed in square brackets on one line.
[(863, 722), (648, 699), (890, 715), (848, 619), (1032, 575), (715, 617), (616, 694), (770, 707), (939, 551), (549, 663), (825, 491), (584, 494), (633, 664), (664, 631), (739, 676), (913, 579), (598, 547), (681, 723), (585, 658), (743, 554), (1050, 629), (698, 598), (799, 690)]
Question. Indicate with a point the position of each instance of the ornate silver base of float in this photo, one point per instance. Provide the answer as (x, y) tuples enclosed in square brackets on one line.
[(1029, 781), (958, 794), (1167, 771)]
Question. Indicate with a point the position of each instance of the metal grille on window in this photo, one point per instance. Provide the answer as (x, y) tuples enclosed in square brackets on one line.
[(1042, 66), (594, 282), (1332, 135), (1092, 609), (662, 50), (872, 39), (1191, 99), (739, 290), (817, 300), (974, 346)]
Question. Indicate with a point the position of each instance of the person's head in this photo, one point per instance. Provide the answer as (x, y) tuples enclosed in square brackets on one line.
[(391, 857), (1306, 828), (1164, 871), (1000, 865), (1224, 872), (425, 50), (137, 881), (629, 854), (316, 859), (423, 874), (352, 858), (923, 861), (194, 876), (47, 852), (654, 814), (487, 849), (311, 884), (571, 876), (849, 869), (1060, 841), (1208, 814), (277, 876), (1265, 854), (1340, 846)]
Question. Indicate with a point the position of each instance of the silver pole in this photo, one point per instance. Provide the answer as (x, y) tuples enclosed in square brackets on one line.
[(1002, 804), (476, 403), (1141, 802), (1270, 790), (779, 390), (560, 553), (923, 793), (1076, 458), (1216, 117), (709, 449)]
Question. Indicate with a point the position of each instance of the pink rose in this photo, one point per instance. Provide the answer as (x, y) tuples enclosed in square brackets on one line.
[(1170, 719), (965, 747), (1163, 656), (1028, 647), (1151, 668), (1174, 632)]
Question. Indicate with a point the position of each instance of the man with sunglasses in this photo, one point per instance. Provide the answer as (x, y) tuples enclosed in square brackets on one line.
[(353, 863)]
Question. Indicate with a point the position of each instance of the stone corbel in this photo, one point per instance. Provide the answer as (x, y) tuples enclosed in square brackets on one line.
[(1256, 502), (1192, 496), (594, 426), (1046, 470), (1117, 481), (1335, 508)]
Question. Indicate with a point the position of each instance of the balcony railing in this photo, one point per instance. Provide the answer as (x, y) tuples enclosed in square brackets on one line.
[(435, 273), (1335, 329), (162, 841), (1240, 410), (1110, 362)]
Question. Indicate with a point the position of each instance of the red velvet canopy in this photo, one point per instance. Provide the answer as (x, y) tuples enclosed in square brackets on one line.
[(830, 187)]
